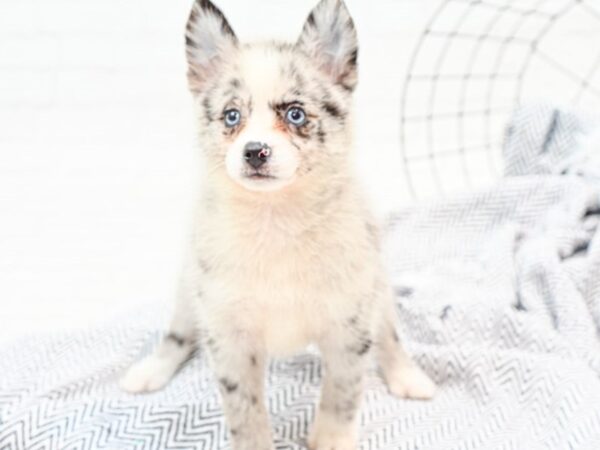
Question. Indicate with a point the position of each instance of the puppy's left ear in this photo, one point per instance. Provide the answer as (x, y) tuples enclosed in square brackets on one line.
[(329, 37)]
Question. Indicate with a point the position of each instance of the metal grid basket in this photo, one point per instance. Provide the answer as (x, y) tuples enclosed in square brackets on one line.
[(473, 64)]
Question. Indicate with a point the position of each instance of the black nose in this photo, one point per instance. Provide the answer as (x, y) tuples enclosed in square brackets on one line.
[(256, 153)]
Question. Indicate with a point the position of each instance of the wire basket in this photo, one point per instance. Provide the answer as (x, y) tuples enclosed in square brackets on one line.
[(472, 65)]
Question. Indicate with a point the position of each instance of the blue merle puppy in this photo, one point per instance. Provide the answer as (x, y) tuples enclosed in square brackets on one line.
[(284, 250)]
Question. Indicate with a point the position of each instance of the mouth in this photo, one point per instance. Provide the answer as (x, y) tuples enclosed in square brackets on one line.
[(259, 176), (261, 181)]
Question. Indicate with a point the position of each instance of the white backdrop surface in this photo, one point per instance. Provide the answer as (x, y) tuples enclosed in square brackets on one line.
[(97, 160)]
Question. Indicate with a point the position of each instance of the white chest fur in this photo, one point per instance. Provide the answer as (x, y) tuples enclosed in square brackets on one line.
[(286, 273)]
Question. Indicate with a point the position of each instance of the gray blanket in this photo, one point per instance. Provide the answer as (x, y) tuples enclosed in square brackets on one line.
[(499, 300)]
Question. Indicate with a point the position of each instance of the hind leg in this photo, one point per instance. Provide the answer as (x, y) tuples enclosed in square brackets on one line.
[(154, 371), (401, 374)]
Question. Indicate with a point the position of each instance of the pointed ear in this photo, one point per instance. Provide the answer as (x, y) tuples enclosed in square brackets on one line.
[(208, 39), (329, 37)]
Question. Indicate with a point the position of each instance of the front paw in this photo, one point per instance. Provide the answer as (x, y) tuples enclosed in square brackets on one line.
[(255, 439), (252, 446), (325, 441), (326, 435)]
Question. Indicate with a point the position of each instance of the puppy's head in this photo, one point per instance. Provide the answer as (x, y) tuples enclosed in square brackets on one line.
[(270, 114)]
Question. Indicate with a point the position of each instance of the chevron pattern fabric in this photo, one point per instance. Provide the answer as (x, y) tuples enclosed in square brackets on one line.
[(498, 296)]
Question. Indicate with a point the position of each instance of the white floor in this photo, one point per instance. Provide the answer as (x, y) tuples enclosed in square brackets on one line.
[(97, 159)]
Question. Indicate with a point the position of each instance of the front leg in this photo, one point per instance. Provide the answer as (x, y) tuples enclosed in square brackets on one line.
[(344, 352), (238, 360)]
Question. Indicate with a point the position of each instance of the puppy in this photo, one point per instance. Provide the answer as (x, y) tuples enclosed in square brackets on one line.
[(284, 252)]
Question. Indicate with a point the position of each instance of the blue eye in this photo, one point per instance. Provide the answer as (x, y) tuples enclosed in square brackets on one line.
[(232, 117), (295, 116)]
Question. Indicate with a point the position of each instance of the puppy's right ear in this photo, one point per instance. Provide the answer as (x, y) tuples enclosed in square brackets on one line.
[(208, 39)]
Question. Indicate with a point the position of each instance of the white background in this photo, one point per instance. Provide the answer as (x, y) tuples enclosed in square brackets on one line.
[(97, 158), (97, 161)]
